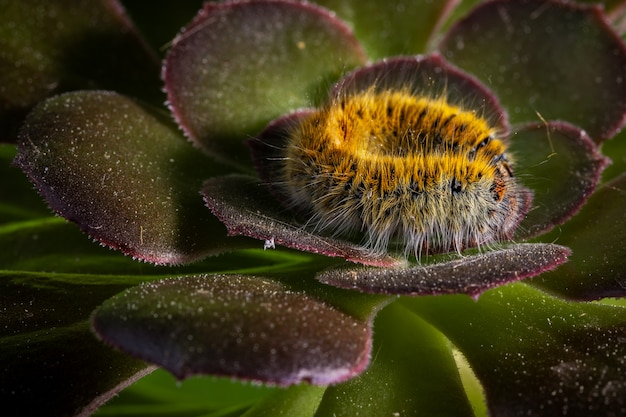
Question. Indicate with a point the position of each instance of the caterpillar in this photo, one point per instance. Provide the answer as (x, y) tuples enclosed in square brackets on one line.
[(409, 172)]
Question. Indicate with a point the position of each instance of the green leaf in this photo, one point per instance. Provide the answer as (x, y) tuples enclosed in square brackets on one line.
[(562, 166), (51, 46), (536, 355), (239, 65), (522, 49), (248, 209), (597, 236), (300, 400), (405, 27), (18, 202), (471, 274), (47, 350), (615, 149), (160, 394), (235, 325), (412, 372), (123, 174)]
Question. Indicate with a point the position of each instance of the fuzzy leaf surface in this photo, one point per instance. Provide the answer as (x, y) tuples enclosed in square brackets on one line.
[(235, 325), (471, 274), (406, 27), (521, 49), (123, 174), (562, 165), (536, 355), (239, 65), (597, 236), (247, 208)]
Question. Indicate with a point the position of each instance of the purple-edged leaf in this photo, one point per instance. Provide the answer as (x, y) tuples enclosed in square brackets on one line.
[(241, 326), (413, 370), (597, 236), (617, 16), (239, 65), (247, 208), (611, 7), (534, 354), (59, 45), (430, 76), (404, 27), (562, 165), (123, 174), (524, 49), (471, 275)]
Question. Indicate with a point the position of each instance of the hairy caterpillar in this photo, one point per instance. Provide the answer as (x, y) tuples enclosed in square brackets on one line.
[(407, 171), (403, 168)]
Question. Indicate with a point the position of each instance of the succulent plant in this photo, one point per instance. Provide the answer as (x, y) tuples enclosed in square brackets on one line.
[(215, 271)]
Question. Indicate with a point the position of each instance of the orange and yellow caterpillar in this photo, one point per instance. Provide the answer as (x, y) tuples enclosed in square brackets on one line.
[(408, 171)]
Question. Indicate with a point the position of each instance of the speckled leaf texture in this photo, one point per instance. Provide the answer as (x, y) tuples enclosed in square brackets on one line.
[(536, 355), (523, 49), (597, 236), (237, 326), (235, 58), (471, 275), (247, 208), (123, 174), (562, 165), (334, 330)]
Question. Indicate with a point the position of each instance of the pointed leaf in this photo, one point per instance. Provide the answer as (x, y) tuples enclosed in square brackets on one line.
[(123, 174), (597, 236), (160, 394), (59, 45), (536, 355), (405, 27), (300, 400), (470, 275), (246, 208), (562, 166), (412, 371), (522, 49), (240, 326)]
